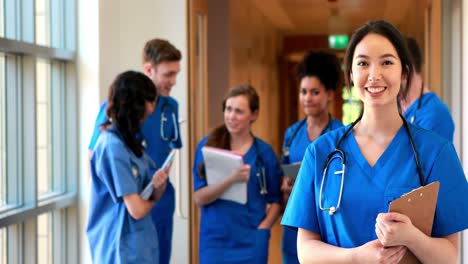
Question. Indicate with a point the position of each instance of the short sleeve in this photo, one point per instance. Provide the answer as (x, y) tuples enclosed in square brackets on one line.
[(452, 206), (100, 119), (198, 182), (114, 168), (301, 208)]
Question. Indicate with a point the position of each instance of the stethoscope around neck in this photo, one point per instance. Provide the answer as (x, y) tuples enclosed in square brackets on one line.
[(164, 121), (260, 170), (287, 146), (340, 154)]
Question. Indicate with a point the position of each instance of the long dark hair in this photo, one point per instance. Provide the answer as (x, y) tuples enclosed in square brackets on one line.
[(126, 106), (220, 137), (390, 32)]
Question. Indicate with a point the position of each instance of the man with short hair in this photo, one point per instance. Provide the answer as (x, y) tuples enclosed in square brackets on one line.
[(422, 107), (161, 63)]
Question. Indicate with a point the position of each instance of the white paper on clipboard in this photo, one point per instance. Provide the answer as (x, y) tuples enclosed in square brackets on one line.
[(219, 164)]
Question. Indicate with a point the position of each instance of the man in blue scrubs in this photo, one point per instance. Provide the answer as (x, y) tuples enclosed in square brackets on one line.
[(161, 63), (422, 107)]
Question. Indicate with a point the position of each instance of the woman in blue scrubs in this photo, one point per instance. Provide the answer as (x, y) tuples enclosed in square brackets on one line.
[(353, 225), (319, 76), (120, 229), (422, 107), (161, 132), (231, 232)]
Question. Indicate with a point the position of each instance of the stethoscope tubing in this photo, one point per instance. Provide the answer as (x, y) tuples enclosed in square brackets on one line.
[(340, 154), (174, 123)]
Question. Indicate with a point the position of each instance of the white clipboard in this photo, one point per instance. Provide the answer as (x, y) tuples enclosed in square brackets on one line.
[(219, 164), (148, 190)]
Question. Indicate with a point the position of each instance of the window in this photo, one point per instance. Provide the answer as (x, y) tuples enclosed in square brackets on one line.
[(2, 33), (38, 146), (2, 133), (44, 239), (43, 137), (351, 105), (42, 22)]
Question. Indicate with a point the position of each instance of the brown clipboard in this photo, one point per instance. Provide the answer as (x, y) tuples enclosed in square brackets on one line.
[(419, 205)]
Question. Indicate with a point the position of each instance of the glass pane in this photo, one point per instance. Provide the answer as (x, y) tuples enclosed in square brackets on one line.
[(2, 18), (43, 136), (2, 133), (351, 105), (44, 238), (3, 245), (42, 22)]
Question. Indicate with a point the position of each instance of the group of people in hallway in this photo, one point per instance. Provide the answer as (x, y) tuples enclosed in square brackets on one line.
[(335, 210)]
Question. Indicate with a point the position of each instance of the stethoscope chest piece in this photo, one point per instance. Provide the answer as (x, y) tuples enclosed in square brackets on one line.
[(336, 154), (262, 180)]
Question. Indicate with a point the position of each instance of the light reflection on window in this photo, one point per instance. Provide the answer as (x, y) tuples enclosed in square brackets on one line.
[(42, 22), (43, 117), (44, 239), (2, 18), (3, 245), (3, 163)]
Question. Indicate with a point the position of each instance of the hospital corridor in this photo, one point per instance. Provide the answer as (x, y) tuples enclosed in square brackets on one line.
[(109, 110)]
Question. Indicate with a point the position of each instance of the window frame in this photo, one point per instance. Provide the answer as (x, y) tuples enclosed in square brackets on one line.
[(20, 216)]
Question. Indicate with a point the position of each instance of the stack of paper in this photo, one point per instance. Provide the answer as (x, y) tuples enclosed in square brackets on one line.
[(219, 164)]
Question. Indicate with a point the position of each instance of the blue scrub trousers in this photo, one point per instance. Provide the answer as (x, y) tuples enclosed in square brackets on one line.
[(164, 222), (290, 259)]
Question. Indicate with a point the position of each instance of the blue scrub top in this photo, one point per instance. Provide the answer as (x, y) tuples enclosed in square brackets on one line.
[(114, 235), (156, 147), (433, 115), (298, 146), (228, 230), (369, 190), (301, 140)]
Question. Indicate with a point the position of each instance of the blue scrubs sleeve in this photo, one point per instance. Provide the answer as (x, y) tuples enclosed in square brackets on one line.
[(301, 208), (439, 122), (100, 119), (452, 206), (116, 173), (198, 182), (274, 173)]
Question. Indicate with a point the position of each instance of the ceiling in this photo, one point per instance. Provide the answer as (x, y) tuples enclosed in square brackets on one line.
[(323, 17)]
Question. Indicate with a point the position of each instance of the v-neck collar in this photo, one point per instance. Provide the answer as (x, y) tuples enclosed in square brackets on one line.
[(382, 161)]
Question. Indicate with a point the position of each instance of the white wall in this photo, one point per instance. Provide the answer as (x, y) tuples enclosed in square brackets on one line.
[(111, 35)]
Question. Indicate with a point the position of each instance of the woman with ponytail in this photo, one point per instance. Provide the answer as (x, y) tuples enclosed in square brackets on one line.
[(231, 232)]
